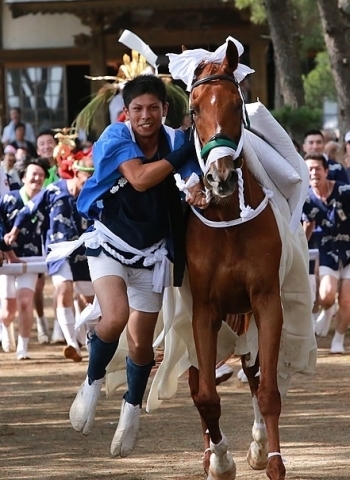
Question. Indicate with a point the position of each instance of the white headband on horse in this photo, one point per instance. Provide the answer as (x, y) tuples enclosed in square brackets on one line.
[(182, 66)]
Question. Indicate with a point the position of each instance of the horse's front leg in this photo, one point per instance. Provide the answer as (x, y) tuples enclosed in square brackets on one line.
[(193, 380), (206, 325), (258, 450), (269, 318)]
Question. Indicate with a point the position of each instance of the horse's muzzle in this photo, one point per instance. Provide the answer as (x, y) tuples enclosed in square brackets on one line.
[(219, 186)]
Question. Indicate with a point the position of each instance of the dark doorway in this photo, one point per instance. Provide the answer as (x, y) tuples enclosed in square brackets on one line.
[(78, 89)]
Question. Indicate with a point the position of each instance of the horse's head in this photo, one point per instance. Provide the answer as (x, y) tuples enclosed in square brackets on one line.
[(216, 106)]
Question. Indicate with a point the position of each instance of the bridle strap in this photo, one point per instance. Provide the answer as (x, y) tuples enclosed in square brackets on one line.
[(210, 78)]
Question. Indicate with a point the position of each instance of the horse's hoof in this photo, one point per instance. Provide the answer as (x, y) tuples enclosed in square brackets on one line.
[(222, 468), (257, 463)]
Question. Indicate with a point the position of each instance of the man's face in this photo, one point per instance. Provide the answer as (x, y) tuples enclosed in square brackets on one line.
[(19, 133), (317, 173), (45, 145), (313, 143), (15, 115), (34, 178), (9, 160), (145, 114)]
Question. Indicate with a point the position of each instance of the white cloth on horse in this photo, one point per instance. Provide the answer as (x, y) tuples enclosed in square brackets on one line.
[(266, 127), (101, 236), (182, 66)]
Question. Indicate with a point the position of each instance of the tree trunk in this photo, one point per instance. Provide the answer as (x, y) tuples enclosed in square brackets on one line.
[(335, 18), (283, 31)]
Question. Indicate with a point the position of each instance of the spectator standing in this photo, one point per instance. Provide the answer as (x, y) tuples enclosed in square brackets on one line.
[(8, 164), (21, 142), (314, 143), (57, 205), (17, 292), (8, 134)]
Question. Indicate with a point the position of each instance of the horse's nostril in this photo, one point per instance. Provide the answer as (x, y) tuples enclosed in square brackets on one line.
[(210, 178), (232, 177)]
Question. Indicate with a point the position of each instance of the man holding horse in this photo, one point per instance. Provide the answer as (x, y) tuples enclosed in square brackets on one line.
[(328, 208), (138, 229)]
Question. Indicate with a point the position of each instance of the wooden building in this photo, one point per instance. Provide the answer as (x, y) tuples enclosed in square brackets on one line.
[(47, 46)]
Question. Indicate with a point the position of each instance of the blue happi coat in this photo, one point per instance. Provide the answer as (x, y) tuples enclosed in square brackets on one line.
[(62, 222), (333, 221), (29, 239)]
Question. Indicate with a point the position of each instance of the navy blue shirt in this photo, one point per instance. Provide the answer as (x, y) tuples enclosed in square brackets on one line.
[(57, 206), (333, 219)]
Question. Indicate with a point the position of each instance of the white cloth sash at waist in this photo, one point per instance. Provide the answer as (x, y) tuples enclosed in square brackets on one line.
[(155, 255)]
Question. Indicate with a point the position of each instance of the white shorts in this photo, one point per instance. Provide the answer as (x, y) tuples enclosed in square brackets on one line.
[(65, 274), (341, 274), (10, 284), (138, 281)]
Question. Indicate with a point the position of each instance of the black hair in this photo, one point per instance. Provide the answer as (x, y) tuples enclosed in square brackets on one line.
[(46, 132), (20, 125), (144, 84), (17, 109), (315, 131), (23, 164), (319, 157)]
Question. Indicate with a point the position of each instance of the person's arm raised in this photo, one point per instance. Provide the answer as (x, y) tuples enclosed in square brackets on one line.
[(143, 176)]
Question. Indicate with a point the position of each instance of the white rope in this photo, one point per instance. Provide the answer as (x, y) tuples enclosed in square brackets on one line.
[(184, 186), (236, 221), (155, 255)]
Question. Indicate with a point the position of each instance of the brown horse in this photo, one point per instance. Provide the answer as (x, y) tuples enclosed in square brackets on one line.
[(233, 270)]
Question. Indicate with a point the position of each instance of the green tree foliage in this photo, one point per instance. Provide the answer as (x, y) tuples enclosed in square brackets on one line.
[(257, 10), (319, 83), (298, 121)]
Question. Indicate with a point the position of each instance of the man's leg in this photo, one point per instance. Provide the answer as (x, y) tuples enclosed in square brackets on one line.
[(145, 305), (25, 299), (41, 322), (8, 309), (328, 288), (66, 318), (112, 297), (25, 288), (343, 316)]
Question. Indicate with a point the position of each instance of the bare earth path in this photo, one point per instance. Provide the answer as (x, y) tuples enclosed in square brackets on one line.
[(37, 442)]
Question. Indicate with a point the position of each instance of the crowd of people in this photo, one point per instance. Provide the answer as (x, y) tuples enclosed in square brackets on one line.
[(128, 193)]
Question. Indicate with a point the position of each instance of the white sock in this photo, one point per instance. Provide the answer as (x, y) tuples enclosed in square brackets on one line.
[(339, 337), (66, 320), (22, 344)]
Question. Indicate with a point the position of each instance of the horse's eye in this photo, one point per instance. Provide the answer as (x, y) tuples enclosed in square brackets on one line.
[(193, 112)]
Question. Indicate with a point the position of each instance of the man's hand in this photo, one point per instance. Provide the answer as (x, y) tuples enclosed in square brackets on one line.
[(196, 197), (10, 238), (11, 257)]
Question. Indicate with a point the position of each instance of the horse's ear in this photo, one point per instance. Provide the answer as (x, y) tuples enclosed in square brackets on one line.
[(230, 61), (183, 48)]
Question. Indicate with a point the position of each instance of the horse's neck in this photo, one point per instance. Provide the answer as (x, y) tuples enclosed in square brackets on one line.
[(252, 191)]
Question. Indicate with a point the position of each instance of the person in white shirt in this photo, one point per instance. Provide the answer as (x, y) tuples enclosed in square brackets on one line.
[(8, 134)]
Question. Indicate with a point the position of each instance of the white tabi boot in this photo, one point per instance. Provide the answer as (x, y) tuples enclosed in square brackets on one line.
[(127, 432), (82, 411)]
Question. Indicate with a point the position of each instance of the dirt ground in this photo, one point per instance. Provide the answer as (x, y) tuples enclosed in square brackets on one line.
[(37, 442)]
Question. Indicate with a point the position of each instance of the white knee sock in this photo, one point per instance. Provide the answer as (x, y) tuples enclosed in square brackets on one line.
[(22, 344), (66, 320)]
